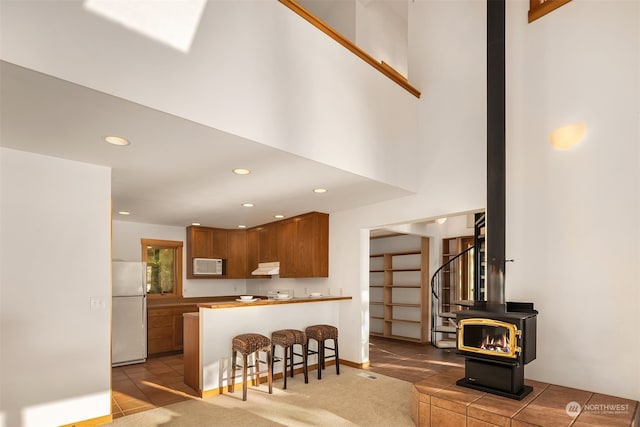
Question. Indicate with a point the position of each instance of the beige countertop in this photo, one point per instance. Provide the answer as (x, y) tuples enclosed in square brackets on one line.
[(265, 301)]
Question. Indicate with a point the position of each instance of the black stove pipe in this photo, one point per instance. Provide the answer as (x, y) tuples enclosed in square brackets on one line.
[(495, 218)]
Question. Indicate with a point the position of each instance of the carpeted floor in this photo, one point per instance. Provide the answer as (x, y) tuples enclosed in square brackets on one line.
[(354, 398)]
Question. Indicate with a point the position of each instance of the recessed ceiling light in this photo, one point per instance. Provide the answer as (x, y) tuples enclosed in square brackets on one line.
[(195, 223), (279, 216), (319, 190), (242, 226), (248, 205), (124, 213), (117, 140), (441, 220), (241, 171)]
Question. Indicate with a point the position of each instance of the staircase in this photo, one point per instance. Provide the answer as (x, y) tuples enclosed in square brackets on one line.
[(448, 292), (446, 299)]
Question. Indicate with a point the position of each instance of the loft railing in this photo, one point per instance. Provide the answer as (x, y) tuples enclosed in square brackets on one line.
[(381, 66)]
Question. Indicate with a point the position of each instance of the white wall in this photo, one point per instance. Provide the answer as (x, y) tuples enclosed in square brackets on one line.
[(573, 216), (338, 14), (381, 31), (55, 352), (255, 69), (126, 247)]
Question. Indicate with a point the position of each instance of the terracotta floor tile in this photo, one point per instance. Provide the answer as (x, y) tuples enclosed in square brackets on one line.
[(603, 410), (128, 405), (500, 410), (455, 398), (443, 418)]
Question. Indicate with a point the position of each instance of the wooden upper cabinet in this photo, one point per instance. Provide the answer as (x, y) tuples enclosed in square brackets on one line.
[(287, 247), (205, 242), (237, 249), (268, 242), (219, 239), (253, 245), (200, 240), (303, 246), (300, 244)]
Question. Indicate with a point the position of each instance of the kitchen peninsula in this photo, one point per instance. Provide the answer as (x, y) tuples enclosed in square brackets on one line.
[(208, 333)]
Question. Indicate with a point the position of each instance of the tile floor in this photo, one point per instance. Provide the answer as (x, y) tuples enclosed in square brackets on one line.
[(438, 402), (159, 381)]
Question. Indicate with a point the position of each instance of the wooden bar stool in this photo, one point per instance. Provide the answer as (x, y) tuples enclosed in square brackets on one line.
[(246, 344), (321, 333), (287, 338)]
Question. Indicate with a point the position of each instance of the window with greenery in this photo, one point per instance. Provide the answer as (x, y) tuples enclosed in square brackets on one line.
[(164, 266)]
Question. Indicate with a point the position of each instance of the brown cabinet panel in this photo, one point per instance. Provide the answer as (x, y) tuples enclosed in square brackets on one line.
[(237, 249), (201, 242), (253, 251), (165, 328), (303, 244), (219, 241), (288, 247), (268, 243)]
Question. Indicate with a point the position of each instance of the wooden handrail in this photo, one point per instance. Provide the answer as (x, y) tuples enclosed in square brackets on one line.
[(383, 67)]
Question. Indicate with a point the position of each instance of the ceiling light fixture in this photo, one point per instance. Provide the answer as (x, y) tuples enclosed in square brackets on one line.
[(567, 136), (124, 213), (278, 216), (441, 220), (242, 226), (117, 140), (195, 223), (241, 171), (319, 190), (248, 205)]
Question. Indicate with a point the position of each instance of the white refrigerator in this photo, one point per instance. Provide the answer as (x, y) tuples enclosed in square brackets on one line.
[(128, 313)]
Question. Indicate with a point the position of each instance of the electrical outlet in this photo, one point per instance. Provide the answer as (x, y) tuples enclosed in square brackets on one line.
[(97, 303)]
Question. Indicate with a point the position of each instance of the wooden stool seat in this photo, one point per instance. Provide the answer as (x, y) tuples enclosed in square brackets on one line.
[(287, 338), (247, 344), (321, 333)]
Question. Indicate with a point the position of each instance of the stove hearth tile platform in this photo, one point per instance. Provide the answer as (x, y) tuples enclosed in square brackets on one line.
[(439, 402)]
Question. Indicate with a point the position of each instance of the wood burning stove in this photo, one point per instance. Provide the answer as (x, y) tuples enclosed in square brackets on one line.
[(496, 346), (496, 338)]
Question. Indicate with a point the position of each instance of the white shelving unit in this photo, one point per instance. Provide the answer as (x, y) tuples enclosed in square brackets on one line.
[(398, 283)]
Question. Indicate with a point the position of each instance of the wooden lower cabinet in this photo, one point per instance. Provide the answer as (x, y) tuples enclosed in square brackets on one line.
[(192, 351), (165, 328)]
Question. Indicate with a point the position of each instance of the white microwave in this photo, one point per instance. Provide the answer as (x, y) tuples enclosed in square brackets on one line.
[(208, 266)]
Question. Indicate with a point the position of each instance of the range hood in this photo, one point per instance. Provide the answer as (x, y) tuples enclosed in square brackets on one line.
[(267, 268)]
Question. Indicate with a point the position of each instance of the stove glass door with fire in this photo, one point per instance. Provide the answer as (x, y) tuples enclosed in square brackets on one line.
[(488, 337)]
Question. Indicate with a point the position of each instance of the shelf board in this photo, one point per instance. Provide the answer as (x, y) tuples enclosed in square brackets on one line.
[(416, 252), (404, 269), (376, 271), (376, 317), (416, 322), (402, 305), (376, 303), (376, 334), (376, 286), (379, 255), (404, 286)]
